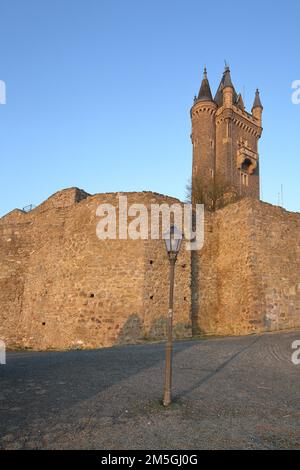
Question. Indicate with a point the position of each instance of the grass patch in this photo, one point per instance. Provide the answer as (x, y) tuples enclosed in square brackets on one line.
[(157, 405)]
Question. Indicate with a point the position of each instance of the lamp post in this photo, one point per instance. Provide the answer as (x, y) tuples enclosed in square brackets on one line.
[(173, 241)]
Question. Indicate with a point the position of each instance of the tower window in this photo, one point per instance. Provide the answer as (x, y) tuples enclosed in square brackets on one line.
[(212, 173), (245, 179), (246, 164)]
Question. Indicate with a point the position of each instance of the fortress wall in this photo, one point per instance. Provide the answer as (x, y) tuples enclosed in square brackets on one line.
[(62, 287), (205, 281), (62, 199), (239, 308), (248, 273), (66, 288), (80, 290), (156, 291), (278, 232), (14, 250)]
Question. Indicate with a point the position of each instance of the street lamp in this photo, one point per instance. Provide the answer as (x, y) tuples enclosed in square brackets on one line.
[(173, 241)]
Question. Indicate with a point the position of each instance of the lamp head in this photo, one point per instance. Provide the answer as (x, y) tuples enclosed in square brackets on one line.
[(173, 239)]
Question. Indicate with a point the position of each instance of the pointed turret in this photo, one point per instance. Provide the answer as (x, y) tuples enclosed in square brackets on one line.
[(227, 78), (205, 91), (257, 102), (257, 108), (226, 82), (229, 94)]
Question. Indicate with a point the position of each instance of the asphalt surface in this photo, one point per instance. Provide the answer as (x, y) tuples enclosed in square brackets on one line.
[(230, 393)]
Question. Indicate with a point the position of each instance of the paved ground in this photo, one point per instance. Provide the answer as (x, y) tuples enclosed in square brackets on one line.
[(230, 393)]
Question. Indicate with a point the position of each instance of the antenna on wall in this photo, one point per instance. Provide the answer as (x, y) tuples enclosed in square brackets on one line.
[(280, 196)]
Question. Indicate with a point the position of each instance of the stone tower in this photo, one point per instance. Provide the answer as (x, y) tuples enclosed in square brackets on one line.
[(225, 138)]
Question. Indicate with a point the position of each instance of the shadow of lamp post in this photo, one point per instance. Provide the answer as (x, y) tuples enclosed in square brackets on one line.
[(173, 241)]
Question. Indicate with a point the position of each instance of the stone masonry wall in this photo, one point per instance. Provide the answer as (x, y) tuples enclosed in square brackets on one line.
[(247, 277), (62, 287)]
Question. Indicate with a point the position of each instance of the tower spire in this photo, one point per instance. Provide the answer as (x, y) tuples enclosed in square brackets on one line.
[(227, 77), (257, 102), (225, 82), (205, 91)]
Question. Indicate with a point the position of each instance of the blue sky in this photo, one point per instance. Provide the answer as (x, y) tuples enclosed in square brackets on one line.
[(99, 91)]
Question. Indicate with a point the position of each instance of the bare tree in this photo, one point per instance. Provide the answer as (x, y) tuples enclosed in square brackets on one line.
[(214, 194)]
